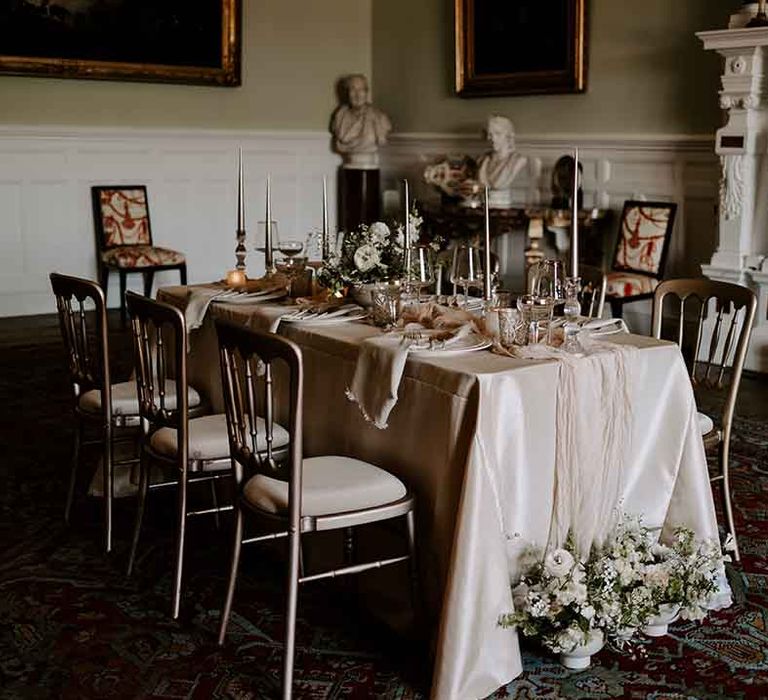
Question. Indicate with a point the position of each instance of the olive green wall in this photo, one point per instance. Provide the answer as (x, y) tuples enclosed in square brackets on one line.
[(293, 51), (648, 73)]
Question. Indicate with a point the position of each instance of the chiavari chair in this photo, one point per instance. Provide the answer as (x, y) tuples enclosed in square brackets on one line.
[(188, 447), (717, 358), (297, 495), (110, 411)]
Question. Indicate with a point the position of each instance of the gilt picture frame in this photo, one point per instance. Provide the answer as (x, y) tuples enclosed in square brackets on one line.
[(524, 47), (176, 41)]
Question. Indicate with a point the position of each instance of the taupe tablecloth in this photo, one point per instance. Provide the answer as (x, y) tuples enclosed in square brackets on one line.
[(474, 437)]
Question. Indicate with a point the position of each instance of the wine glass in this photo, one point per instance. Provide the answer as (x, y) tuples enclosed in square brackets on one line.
[(467, 268), (422, 267), (290, 247)]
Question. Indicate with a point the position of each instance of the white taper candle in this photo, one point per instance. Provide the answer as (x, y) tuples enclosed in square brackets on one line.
[(487, 273), (575, 217), (268, 228), (240, 192), (325, 250)]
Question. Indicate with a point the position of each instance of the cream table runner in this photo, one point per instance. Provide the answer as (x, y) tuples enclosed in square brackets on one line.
[(475, 437)]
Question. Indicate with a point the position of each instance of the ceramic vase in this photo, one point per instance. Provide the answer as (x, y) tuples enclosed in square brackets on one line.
[(658, 625), (581, 657)]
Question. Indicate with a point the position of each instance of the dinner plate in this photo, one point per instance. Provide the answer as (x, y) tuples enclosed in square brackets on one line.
[(250, 297), (469, 343)]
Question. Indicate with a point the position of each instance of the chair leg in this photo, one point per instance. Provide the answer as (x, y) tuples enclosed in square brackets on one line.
[(73, 472), (108, 485), (294, 544), (180, 535), (149, 278), (617, 309), (183, 274), (725, 471), (237, 546), (413, 569), (104, 279), (140, 509), (123, 280)]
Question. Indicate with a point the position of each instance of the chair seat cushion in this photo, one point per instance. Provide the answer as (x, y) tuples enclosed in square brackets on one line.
[(629, 284), (130, 256), (330, 484), (208, 438), (706, 424), (125, 400)]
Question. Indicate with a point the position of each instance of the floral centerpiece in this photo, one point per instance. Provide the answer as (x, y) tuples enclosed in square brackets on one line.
[(367, 255)]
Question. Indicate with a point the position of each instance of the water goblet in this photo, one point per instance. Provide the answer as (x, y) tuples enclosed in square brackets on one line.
[(422, 268), (260, 242), (467, 269)]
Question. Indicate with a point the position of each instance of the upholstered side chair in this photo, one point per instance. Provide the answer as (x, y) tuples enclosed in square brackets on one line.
[(124, 239), (716, 348), (299, 495), (641, 252), (179, 446)]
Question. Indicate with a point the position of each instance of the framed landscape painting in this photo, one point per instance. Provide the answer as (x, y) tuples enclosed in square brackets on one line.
[(522, 47), (176, 41)]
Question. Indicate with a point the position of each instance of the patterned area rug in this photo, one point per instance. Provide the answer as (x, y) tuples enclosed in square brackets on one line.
[(72, 625)]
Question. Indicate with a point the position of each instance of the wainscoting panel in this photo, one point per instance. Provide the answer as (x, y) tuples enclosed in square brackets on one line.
[(45, 206)]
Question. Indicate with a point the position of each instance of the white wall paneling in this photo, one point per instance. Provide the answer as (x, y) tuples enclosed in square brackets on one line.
[(45, 206), (616, 168)]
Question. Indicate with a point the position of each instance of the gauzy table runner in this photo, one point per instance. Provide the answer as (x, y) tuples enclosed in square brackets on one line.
[(474, 436)]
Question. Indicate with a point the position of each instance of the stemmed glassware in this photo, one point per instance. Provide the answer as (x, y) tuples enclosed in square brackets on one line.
[(422, 272), (467, 268)]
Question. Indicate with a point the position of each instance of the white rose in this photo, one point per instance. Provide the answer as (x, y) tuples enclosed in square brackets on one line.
[(379, 232), (587, 612), (558, 563), (366, 257)]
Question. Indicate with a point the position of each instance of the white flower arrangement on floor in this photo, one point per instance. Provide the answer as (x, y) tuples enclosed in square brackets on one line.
[(622, 587)]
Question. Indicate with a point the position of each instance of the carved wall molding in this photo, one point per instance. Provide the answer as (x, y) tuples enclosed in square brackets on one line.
[(731, 186)]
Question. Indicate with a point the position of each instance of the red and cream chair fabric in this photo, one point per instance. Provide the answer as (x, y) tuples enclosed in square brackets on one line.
[(124, 238), (641, 252)]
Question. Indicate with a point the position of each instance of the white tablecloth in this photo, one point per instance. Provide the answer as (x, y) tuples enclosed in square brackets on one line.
[(474, 437)]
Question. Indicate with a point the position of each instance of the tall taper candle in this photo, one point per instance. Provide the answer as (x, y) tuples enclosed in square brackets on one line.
[(407, 235), (240, 250), (487, 273), (575, 218), (325, 220), (270, 268)]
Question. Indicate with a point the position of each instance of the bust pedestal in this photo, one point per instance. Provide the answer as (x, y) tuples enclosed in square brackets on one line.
[(358, 196)]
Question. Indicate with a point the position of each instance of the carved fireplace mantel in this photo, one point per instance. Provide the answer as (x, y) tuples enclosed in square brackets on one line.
[(742, 145)]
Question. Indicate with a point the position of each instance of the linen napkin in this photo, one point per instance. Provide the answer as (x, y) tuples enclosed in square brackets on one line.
[(381, 360), (380, 365), (198, 301)]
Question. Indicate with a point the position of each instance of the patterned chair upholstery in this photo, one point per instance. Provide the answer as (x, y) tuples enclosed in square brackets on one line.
[(641, 252), (124, 238)]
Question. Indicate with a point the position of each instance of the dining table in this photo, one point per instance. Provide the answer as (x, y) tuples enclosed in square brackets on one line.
[(473, 435)]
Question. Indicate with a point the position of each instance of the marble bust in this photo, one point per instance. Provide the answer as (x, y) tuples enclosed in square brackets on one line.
[(358, 127), (500, 166)]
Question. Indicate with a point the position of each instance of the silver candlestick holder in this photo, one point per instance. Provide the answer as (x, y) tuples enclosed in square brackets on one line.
[(240, 250), (572, 305)]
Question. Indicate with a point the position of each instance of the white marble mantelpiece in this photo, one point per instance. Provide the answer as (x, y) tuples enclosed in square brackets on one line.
[(742, 146)]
